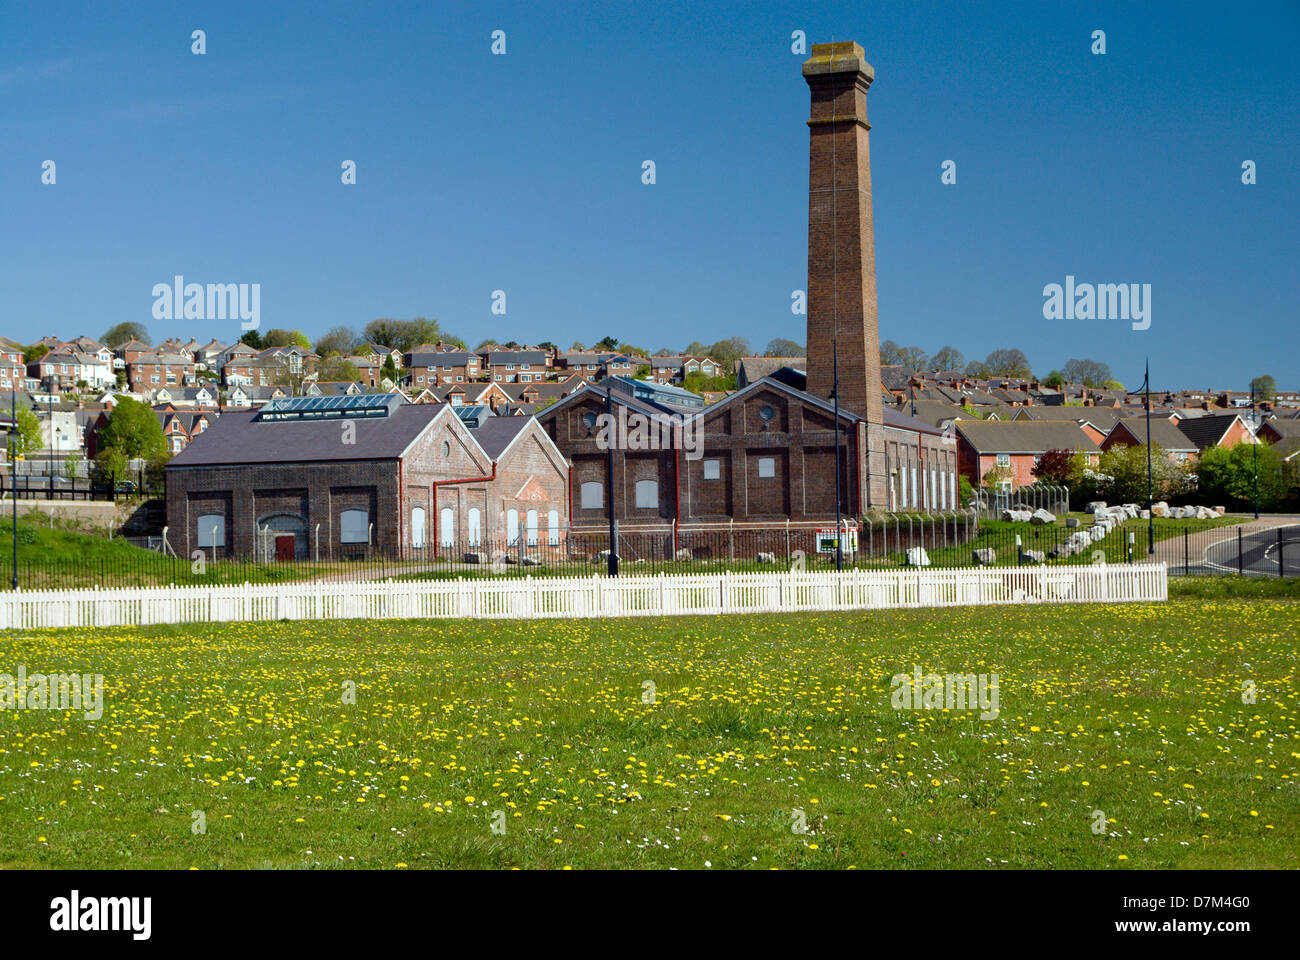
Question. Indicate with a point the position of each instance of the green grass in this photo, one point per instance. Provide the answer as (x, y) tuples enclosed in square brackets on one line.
[(1133, 710), (1231, 586)]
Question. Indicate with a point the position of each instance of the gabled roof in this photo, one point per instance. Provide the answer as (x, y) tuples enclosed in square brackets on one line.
[(1208, 431), (1025, 436), (1164, 434)]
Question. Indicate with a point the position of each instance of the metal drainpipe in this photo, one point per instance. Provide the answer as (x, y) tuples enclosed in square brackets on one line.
[(437, 540)]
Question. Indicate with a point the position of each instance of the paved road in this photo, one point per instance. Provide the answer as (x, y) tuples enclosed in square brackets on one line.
[(1215, 551)]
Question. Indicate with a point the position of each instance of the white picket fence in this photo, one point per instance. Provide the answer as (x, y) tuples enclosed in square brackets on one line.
[(596, 596)]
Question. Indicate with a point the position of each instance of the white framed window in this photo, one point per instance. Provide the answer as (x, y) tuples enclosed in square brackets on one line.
[(1004, 460), (446, 526), (647, 494), (475, 527), (512, 527), (1004, 485), (553, 527), (593, 495), (417, 527), (712, 469), (212, 530), (766, 467), (530, 524), (354, 526)]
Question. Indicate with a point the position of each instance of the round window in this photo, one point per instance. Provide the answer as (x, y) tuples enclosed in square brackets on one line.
[(766, 412)]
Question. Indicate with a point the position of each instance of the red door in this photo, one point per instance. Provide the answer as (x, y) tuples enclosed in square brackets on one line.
[(284, 547)]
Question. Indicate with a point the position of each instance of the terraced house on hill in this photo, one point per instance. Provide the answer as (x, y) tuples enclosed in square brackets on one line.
[(339, 477), (1012, 448)]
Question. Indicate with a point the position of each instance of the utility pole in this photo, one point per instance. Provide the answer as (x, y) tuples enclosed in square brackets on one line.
[(13, 473)]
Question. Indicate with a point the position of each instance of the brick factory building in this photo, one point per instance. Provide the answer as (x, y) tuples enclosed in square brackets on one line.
[(339, 477)]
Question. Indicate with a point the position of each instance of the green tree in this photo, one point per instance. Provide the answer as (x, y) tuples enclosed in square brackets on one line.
[(1127, 468), (122, 332), (35, 352), (606, 344), (340, 368), (134, 430), (389, 369), (1054, 379), (286, 338), (72, 465), (781, 347), (914, 358), (1265, 388), (111, 465), (252, 338), (28, 436), (1227, 475)]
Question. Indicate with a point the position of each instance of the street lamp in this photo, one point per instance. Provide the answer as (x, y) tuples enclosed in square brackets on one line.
[(1254, 447), (609, 476)]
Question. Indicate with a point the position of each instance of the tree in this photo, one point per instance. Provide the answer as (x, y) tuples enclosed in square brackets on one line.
[(286, 338), (577, 347), (948, 358), (1227, 475), (1054, 466), (337, 340), (403, 335), (111, 464), (117, 335), (728, 351), (1126, 466), (977, 369), (914, 358), (606, 344), (1008, 363), (35, 352), (134, 430), (1055, 379), (389, 369), (1265, 388), (72, 465), (340, 368), (28, 437), (1090, 373), (890, 353), (252, 339), (781, 347)]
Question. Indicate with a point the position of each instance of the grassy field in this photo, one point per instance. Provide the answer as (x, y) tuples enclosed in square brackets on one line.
[(758, 725)]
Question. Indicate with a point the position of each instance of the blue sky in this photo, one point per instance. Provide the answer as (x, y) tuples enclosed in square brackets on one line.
[(523, 172)]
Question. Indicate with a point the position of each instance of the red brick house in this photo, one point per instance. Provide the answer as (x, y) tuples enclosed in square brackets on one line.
[(358, 476), (1216, 430), (1132, 432), (1014, 447)]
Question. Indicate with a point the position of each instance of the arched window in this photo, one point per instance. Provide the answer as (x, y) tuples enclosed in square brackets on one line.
[(593, 495), (354, 526), (553, 527), (512, 527), (647, 494), (417, 527), (446, 526), (531, 523), (475, 527)]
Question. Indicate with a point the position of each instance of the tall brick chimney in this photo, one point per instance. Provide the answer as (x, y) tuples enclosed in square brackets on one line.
[(841, 247)]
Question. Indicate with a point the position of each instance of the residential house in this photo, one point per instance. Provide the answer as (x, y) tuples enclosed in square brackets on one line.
[(1013, 448), (517, 366)]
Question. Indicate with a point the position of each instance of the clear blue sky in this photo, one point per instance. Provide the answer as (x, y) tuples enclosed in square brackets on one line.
[(523, 172)]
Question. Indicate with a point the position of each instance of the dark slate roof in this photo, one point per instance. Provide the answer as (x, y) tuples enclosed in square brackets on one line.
[(1025, 436), (517, 356), (895, 376), (1207, 431), (496, 433), (239, 437), (894, 417), (1284, 428)]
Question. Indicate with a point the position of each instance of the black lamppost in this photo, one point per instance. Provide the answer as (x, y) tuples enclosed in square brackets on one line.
[(1254, 447), (1151, 523), (609, 476), (13, 474), (835, 395)]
